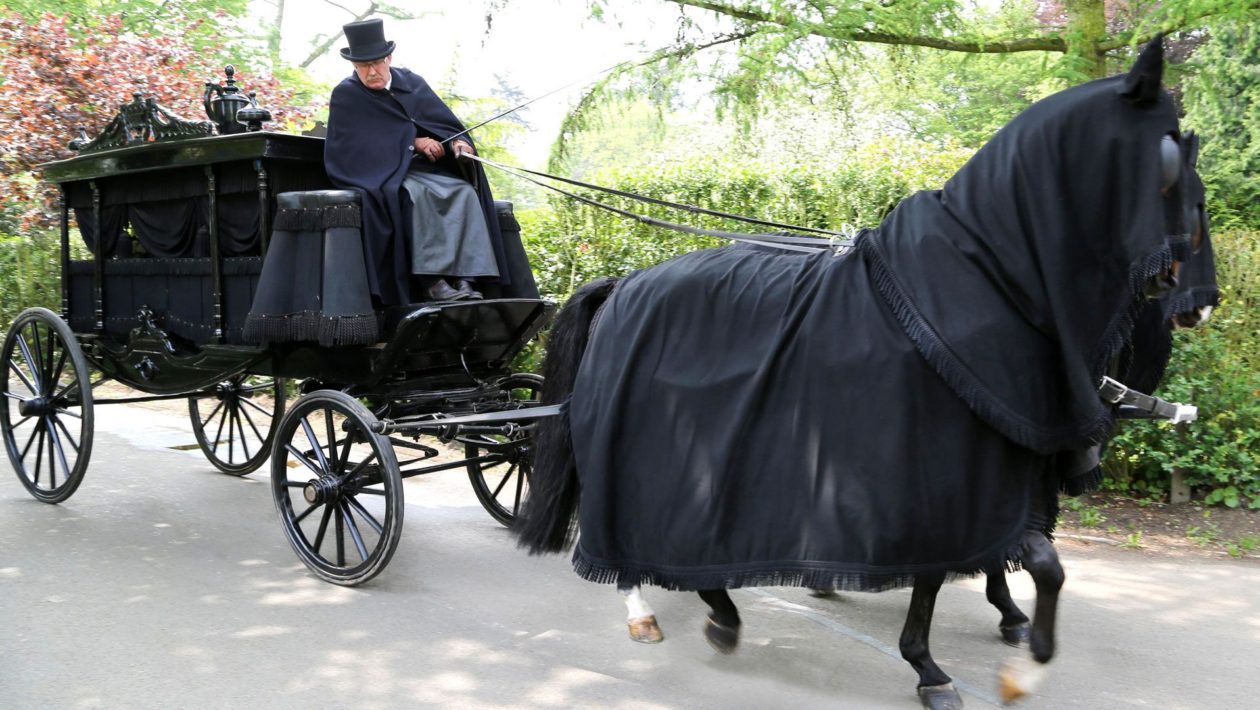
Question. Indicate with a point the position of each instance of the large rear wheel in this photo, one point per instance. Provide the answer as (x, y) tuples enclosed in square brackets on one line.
[(499, 466), (337, 488), (47, 414), (235, 423)]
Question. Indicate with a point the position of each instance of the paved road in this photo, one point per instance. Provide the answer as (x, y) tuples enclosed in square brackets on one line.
[(164, 584)]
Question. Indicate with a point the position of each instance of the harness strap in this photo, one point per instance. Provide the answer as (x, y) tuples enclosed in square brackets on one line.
[(800, 243), (1144, 406)]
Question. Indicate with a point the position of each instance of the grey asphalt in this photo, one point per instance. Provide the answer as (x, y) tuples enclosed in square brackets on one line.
[(164, 584)]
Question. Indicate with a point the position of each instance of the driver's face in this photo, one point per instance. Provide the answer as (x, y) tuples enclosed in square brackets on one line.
[(374, 74)]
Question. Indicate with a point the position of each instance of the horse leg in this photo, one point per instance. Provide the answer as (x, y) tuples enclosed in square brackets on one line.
[(639, 617), (1020, 676), (721, 629), (936, 689), (1014, 624)]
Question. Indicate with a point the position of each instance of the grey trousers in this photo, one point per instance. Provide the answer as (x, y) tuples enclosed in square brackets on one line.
[(449, 231)]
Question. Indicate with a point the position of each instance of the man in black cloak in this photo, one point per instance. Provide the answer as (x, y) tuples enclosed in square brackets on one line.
[(425, 215)]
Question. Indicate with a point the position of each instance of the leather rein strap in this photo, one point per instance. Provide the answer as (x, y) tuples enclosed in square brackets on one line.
[(809, 244), (1136, 405)]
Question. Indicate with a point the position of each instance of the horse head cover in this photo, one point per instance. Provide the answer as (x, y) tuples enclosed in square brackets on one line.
[(1067, 194)]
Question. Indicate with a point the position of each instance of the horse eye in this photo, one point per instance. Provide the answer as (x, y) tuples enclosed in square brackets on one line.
[(1170, 161)]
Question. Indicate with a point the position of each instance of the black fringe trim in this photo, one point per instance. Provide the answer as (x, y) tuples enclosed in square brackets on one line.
[(311, 326), (1181, 248), (1009, 554), (1120, 331), (317, 219), (1192, 299), (981, 401), (1012, 425), (1081, 484)]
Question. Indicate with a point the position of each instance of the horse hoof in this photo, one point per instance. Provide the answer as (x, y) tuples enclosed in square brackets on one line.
[(645, 630), (1017, 635), (1018, 677), (940, 697), (723, 639), (822, 593)]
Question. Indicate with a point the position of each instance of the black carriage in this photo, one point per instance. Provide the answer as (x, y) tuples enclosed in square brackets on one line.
[(180, 221)]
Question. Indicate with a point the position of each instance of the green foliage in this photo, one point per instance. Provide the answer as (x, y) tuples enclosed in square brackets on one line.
[(1223, 103), (571, 244), (1217, 368), (30, 273)]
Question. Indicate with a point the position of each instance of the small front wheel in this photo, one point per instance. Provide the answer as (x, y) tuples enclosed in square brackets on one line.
[(235, 423), (499, 466), (47, 414), (337, 488)]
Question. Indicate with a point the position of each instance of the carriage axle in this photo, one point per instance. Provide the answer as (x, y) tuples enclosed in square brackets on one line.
[(36, 406)]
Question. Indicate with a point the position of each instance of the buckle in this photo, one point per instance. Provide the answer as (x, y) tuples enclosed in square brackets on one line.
[(1112, 391)]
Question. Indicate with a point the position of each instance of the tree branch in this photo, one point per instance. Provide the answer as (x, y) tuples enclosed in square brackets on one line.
[(322, 49), (1048, 43)]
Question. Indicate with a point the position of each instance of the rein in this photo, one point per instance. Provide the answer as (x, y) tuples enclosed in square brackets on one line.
[(808, 244)]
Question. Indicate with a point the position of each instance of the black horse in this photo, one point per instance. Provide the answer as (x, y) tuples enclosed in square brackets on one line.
[(900, 415), (1141, 367)]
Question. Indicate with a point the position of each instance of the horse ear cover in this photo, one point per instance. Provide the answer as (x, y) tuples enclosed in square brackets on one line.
[(1141, 86)]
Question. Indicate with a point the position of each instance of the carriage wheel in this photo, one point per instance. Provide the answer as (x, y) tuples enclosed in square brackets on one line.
[(47, 413), (235, 423), (337, 488), (501, 478)]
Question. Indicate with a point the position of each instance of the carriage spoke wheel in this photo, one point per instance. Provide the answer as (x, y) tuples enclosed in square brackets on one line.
[(499, 466), (47, 414), (235, 423), (337, 488)]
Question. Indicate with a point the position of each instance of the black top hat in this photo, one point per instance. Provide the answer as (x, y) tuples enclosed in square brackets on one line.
[(367, 41)]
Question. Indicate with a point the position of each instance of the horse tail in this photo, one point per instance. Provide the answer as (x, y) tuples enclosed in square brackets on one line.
[(546, 522)]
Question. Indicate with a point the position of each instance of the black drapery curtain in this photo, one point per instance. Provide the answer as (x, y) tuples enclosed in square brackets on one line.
[(168, 211)]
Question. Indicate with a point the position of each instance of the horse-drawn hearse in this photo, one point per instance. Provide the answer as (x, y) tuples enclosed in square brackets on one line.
[(940, 378), (187, 222)]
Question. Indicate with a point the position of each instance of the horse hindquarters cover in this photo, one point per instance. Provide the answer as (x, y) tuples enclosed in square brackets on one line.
[(744, 418)]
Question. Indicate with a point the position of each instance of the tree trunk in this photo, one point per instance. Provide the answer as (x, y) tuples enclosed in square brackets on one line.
[(1086, 27), (273, 38)]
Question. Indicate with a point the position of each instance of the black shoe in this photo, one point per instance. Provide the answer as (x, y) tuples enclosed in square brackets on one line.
[(464, 286), (439, 290)]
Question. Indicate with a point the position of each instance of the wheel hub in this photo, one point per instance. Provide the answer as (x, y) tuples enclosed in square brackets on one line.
[(321, 490), (35, 407)]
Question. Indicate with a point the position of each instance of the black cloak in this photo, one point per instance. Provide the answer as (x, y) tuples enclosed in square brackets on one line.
[(369, 148), (744, 418)]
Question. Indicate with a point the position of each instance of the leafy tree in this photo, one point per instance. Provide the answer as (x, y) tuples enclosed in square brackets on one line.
[(1223, 103), (203, 24), (55, 83)]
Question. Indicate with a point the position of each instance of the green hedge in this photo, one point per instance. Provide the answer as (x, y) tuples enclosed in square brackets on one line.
[(570, 243)]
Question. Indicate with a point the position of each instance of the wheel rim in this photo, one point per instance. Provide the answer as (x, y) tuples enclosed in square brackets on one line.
[(235, 423), (499, 467), (337, 488), (47, 412)]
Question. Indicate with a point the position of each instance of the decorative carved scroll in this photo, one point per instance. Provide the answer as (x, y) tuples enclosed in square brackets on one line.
[(141, 121)]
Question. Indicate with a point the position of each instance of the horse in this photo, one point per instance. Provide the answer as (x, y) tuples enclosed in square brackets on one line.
[(1189, 305), (932, 447)]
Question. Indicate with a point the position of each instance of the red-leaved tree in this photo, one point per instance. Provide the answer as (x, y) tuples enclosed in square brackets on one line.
[(52, 82)]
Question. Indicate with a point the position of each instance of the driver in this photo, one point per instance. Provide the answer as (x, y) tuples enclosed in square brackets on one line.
[(429, 222)]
